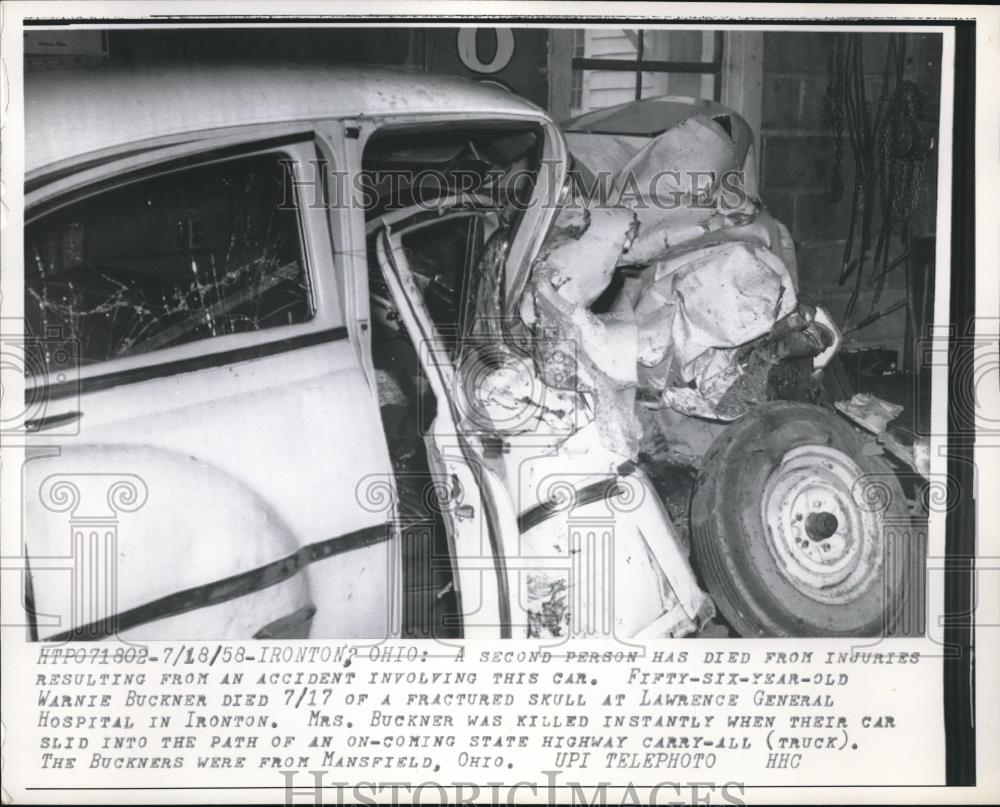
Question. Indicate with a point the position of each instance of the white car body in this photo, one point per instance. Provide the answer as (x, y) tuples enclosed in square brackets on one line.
[(258, 456)]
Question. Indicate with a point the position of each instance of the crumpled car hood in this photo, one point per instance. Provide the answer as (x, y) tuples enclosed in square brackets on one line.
[(658, 284), (710, 269)]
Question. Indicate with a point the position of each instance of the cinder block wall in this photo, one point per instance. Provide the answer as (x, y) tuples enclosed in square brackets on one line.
[(797, 158)]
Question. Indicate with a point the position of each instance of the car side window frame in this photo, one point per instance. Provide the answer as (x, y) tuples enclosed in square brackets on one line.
[(472, 218), (326, 321)]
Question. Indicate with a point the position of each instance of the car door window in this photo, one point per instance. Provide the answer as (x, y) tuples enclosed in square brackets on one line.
[(169, 259)]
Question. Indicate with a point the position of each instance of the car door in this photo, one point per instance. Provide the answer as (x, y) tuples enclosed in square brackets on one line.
[(478, 513), (195, 346), (566, 519)]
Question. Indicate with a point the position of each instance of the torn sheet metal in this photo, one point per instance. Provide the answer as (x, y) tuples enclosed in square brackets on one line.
[(709, 272), (574, 348), (656, 237), (726, 295), (582, 251), (688, 160), (649, 139), (603, 156), (715, 272), (695, 309), (674, 329)]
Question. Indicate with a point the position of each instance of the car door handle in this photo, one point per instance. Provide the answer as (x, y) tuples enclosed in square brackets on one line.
[(460, 511), (464, 511), (51, 421)]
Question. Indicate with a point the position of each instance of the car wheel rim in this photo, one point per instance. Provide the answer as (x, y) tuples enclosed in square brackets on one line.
[(824, 543)]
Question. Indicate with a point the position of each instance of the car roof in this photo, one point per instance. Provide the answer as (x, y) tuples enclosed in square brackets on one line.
[(72, 113)]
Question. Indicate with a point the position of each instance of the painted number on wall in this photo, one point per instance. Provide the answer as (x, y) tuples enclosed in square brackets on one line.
[(468, 51)]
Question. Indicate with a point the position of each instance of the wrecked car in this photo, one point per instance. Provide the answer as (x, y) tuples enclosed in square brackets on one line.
[(329, 353)]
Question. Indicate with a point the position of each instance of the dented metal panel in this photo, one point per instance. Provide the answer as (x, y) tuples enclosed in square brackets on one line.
[(713, 270)]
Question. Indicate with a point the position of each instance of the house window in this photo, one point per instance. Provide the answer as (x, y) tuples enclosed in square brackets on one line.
[(613, 66)]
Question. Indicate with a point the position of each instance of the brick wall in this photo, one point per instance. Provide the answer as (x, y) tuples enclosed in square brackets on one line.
[(797, 149)]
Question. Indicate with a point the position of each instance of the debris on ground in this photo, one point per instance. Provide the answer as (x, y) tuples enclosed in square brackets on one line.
[(874, 415), (869, 411)]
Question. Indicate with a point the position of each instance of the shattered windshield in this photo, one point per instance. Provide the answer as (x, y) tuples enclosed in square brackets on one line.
[(193, 254)]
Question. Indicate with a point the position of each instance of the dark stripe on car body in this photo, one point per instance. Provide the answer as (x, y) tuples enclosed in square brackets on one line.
[(229, 588), (594, 492), (203, 362)]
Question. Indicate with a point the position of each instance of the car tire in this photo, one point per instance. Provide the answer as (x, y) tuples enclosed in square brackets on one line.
[(789, 516)]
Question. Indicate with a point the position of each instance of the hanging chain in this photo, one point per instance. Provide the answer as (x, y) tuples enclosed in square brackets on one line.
[(836, 98), (904, 153)]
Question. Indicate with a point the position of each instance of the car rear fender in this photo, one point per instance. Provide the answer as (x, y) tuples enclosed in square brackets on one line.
[(142, 542)]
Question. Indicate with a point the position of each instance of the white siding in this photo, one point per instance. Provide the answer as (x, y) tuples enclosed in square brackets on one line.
[(604, 88)]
